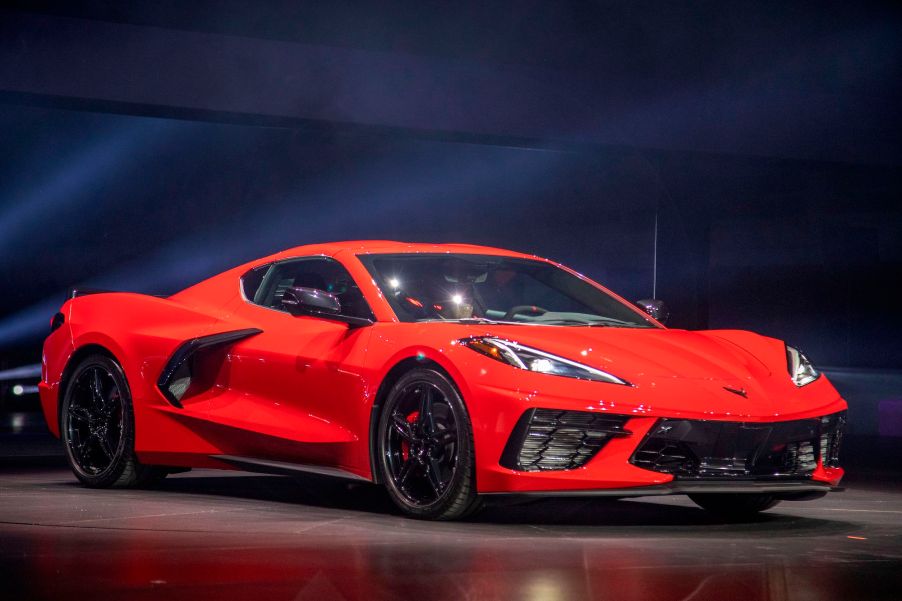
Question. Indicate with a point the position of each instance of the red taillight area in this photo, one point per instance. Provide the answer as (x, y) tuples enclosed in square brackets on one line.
[(57, 321)]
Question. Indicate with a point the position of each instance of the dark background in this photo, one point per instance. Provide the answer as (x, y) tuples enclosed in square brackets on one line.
[(144, 146)]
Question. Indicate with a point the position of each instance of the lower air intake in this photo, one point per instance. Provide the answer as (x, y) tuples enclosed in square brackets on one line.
[(832, 428), (705, 450), (548, 439)]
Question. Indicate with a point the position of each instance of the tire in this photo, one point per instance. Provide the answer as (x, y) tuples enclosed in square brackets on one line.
[(425, 448), (97, 427), (734, 507)]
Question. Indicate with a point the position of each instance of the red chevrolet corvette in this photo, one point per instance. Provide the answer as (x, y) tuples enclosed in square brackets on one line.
[(445, 373)]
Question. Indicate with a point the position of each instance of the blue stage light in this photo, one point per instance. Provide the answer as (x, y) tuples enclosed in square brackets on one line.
[(418, 184)]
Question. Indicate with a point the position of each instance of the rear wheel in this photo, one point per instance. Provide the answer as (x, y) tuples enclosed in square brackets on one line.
[(734, 506), (98, 428), (425, 448)]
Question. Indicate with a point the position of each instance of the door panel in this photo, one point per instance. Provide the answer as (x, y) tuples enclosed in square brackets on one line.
[(297, 391)]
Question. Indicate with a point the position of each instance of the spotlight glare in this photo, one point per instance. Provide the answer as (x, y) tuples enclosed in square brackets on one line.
[(394, 283), (457, 298), (18, 390), (542, 365)]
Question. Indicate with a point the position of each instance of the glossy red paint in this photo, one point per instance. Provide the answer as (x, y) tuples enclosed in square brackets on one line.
[(304, 389)]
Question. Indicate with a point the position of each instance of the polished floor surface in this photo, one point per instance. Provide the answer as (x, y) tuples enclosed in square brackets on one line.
[(217, 535)]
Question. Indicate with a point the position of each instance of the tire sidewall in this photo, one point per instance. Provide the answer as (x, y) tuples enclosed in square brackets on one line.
[(464, 468), (126, 444)]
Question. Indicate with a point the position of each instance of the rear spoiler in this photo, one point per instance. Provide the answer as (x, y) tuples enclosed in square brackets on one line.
[(75, 292), (59, 318), (83, 291)]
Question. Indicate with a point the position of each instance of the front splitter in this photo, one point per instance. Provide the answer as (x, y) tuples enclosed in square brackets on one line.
[(683, 488)]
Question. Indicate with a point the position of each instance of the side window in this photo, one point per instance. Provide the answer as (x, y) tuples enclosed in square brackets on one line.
[(251, 281), (321, 273)]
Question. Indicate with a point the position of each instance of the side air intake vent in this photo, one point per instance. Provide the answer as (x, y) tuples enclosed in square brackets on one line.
[(179, 374), (548, 439)]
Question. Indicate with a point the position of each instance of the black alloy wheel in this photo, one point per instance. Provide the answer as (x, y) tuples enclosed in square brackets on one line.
[(97, 427), (425, 446)]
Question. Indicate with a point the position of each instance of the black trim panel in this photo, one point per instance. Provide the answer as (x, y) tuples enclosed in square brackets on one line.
[(267, 466), (510, 456), (189, 348)]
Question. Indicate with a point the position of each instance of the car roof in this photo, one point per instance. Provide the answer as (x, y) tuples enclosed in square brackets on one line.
[(362, 247), (202, 290)]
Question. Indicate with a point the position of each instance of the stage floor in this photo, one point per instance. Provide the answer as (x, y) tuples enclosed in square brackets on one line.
[(216, 535)]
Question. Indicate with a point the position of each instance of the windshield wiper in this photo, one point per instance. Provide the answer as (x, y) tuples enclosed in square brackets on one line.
[(482, 320), (472, 321), (610, 322), (564, 321), (603, 322)]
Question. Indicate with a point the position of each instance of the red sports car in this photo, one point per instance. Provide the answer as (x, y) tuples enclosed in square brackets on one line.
[(446, 373)]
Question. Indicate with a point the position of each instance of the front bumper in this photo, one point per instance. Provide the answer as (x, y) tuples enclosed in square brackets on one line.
[(742, 457)]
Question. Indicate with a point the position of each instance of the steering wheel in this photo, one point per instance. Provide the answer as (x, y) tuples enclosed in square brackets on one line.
[(531, 309)]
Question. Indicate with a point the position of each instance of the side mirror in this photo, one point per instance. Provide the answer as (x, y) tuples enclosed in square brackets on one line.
[(299, 300), (655, 308)]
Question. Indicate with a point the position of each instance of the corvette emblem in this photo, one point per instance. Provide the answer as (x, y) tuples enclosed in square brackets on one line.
[(740, 391)]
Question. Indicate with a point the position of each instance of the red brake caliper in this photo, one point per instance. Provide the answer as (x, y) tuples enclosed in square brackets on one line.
[(405, 446)]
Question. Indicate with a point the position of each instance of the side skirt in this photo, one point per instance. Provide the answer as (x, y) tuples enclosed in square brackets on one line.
[(283, 468)]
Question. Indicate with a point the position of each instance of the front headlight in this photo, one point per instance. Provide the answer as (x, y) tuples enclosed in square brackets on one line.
[(800, 368), (531, 359)]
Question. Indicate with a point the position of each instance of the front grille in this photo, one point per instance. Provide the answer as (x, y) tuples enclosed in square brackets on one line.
[(700, 449), (548, 439)]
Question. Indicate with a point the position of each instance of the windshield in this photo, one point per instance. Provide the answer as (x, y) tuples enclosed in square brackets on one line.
[(465, 287)]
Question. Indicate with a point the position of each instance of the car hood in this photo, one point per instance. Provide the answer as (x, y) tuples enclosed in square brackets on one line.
[(638, 354)]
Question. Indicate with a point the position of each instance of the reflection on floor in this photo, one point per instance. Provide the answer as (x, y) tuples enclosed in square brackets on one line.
[(215, 535)]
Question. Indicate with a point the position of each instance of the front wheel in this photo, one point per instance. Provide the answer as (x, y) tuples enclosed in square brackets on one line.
[(425, 448), (734, 507), (98, 428)]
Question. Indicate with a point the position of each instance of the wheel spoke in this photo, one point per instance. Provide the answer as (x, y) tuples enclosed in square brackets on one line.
[(109, 420), (434, 473), (402, 427), (425, 420), (445, 436), (96, 386), (81, 414), (406, 471), (81, 446), (104, 446), (108, 399)]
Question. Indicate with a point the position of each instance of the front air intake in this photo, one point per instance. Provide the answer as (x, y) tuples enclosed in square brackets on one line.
[(832, 428), (548, 439), (714, 450)]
